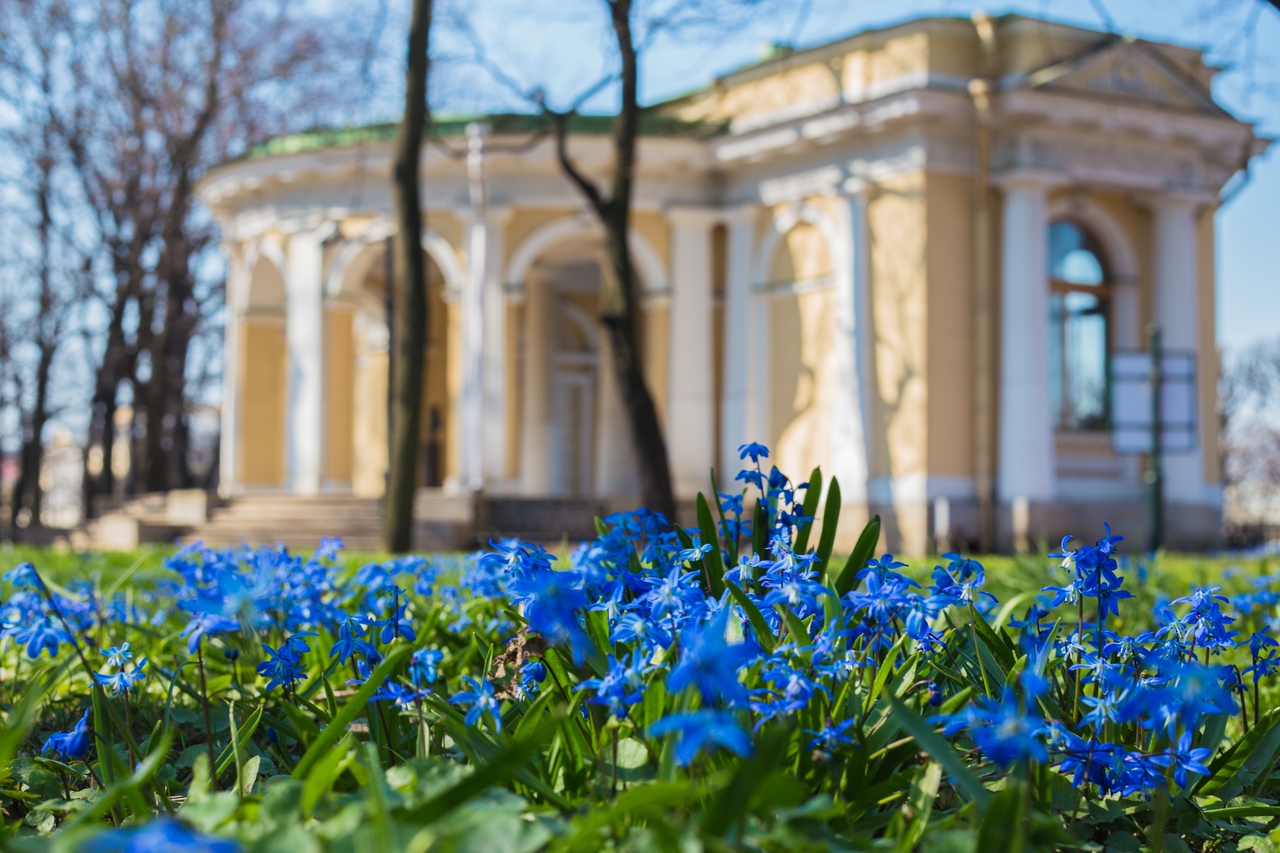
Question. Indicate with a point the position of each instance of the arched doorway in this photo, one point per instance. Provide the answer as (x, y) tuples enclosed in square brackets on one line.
[(575, 438), (574, 365), (358, 350)]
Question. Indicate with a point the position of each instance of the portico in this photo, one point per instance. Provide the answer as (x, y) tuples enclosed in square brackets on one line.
[(806, 238)]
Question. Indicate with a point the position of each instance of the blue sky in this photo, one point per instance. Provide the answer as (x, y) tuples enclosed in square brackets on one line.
[(565, 51)]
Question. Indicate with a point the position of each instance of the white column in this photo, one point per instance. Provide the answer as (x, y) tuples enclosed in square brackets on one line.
[(471, 398), (738, 343), (1177, 312), (535, 433), (494, 367), (690, 386), (229, 453), (304, 335), (1026, 446), (851, 456)]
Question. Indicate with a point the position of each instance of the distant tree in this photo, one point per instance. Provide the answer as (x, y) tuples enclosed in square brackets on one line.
[(44, 264), (162, 91)]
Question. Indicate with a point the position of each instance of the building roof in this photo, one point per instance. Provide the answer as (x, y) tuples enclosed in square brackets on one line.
[(652, 123)]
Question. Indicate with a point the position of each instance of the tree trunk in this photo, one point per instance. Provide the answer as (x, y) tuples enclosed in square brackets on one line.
[(410, 295), (621, 315)]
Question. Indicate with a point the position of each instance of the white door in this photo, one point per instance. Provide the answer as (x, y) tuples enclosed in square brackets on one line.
[(573, 401)]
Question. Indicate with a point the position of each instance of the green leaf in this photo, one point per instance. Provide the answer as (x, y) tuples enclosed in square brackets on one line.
[(713, 562), (998, 645), (830, 522), (863, 550), (500, 768), (241, 743), (1241, 764), (348, 713), (809, 511), (325, 771), (1004, 826), (759, 529), (941, 751), (758, 624), (733, 801)]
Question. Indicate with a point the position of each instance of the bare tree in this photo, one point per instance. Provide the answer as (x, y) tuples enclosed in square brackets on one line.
[(40, 320), (163, 91), (409, 337), (631, 28)]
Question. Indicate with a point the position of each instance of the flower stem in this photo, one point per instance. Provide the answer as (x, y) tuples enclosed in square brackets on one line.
[(208, 723)]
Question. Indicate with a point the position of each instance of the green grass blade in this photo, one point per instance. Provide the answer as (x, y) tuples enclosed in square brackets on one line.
[(348, 713)]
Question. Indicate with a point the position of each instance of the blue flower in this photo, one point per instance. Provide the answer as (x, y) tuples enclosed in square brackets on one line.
[(23, 576), (551, 603), (831, 736), (701, 729), (42, 635), (162, 835), (348, 643), (423, 666), (482, 701), (707, 661), (72, 744), (117, 655), (123, 681), (283, 667), (1184, 759), (207, 624), (753, 451)]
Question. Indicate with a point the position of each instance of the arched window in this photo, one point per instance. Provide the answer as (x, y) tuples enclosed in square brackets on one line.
[(1079, 303)]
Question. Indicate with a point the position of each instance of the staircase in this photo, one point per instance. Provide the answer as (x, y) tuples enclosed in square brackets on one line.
[(441, 522)]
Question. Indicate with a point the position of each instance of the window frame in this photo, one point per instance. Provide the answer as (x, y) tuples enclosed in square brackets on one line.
[(1104, 291)]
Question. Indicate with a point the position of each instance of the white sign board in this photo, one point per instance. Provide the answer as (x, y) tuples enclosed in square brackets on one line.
[(1131, 402)]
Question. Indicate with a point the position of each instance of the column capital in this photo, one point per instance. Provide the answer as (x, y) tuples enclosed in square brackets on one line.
[(736, 214), (858, 188), (1029, 179)]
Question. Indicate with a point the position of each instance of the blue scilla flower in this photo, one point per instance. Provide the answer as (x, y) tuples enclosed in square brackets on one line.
[(753, 451), (207, 625), (72, 744), (620, 688), (162, 835), (552, 601), (1002, 729), (482, 701), (424, 666), (349, 642), (403, 697), (702, 729), (831, 737), (117, 655), (122, 681), (44, 634), (710, 663), (1264, 666), (282, 667), (23, 576), (1184, 759), (532, 674)]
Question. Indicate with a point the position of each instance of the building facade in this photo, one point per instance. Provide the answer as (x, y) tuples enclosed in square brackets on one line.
[(907, 256)]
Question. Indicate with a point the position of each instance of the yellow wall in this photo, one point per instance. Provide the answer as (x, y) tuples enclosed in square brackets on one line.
[(899, 284), (369, 432), (263, 382), (802, 255), (950, 316), (801, 378), (339, 393)]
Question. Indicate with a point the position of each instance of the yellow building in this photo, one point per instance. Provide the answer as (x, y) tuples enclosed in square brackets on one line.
[(907, 256)]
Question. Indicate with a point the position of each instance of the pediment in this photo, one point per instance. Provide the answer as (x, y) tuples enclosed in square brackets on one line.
[(1127, 71)]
